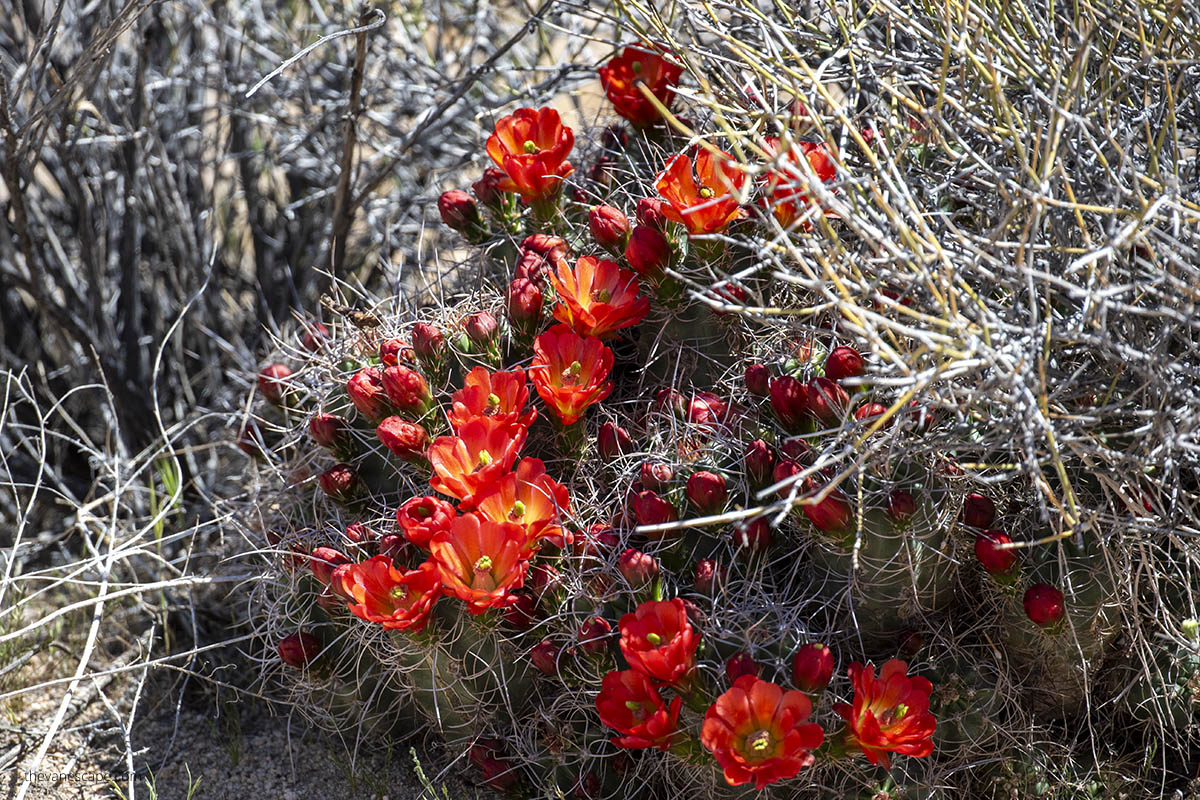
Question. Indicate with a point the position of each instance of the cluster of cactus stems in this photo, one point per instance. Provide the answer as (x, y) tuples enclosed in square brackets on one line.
[(607, 542)]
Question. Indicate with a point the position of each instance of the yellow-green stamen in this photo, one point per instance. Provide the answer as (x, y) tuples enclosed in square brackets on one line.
[(517, 511), (484, 564), (530, 147), (759, 741), (654, 639), (485, 458)]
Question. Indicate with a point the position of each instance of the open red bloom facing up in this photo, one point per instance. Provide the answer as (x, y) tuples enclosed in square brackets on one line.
[(597, 297), (480, 561), (629, 703), (757, 732), (381, 593), (500, 396), (622, 75), (710, 205), (422, 517), (464, 465), (529, 498), (570, 371), (658, 640), (890, 713), (785, 183), (531, 146)]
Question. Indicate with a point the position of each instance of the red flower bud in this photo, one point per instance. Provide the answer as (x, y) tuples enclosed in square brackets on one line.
[(785, 469), (650, 213), (500, 775), (923, 417), (299, 650), (482, 328), (340, 482), (395, 547), (978, 511), (650, 509), (593, 636), (706, 408), (759, 461), (758, 380), (789, 401), (844, 362), (405, 439), (524, 304), (648, 251), (522, 613), (543, 579), (710, 576), (394, 351), (487, 189), (812, 667), (544, 656), (754, 536), (315, 336), (707, 492), (669, 401), (613, 441), (901, 505), (637, 568), (614, 137), (656, 476), (328, 430), (407, 391), (250, 440), (272, 383), (460, 213), (869, 410), (827, 401), (358, 533), (428, 342), (740, 664), (995, 558), (831, 515), (365, 389), (609, 227), (797, 449), (324, 560), (1044, 604)]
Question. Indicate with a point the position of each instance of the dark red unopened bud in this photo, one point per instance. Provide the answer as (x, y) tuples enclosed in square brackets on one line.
[(522, 613), (590, 786), (487, 189), (870, 410), (910, 643), (524, 304), (395, 547), (272, 383), (758, 380), (328, 430), (797, 449), (460, 213), (404, 438), (615, 137), (901, 505), (710, 576), (393, 352), (613, 441), (656, 476), (407, 391), (428, 342), (785, 469), (482, 328), (923, 417), (650, 213), (359, 533), (648, 251), (340, 482), (844, 362), (650, 509), (485, 748), (597, 542), (609, 227), (831, 515), (324, 560), (739, 664), (669, 401), (1044, 604), (759, 461), (594, 635), (707, 491), (978, 511), (706, 408), (365, 389), (543, 580), (638, 568), (789, 401), (753, 536), (250, 440), (500, 775), (315, 336), (299, 650), (812, 667), (827, 401), (992, 554)]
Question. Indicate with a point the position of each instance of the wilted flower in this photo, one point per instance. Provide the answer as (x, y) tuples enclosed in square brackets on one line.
[(470, 462), (658, 640), (421, 518), (634, 67), (396, 600), (629, 703), (710, 206), (570, 372), (597, 297), (532, 146), (890, 714), (480, 561)]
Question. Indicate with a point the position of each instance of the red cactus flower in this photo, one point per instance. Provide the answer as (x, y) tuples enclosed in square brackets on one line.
[(407, 391), (429, 343), (597, 297), (739, 664), (1044, 604), (530, 498), (406, 439), (757, 732), (789, 401), (532, 146), (785, 183), (978, 511), (648, 250), (613, 441), (637, 567), (299, 650), (593, 636), (609, 227), (827, 401), (395, 351), (758, 380), (464, 465), (844, 362), (707, 491), (421, 518), (273, 383), (890, 714), (499, 396), (710, 206), (623, 76), (709, 577), (651, 509), (570, 372), (629, 703), (995, 558), (340, 482), (812, 667), (480, 561), (658, 640), (324, 560), (396, 600), (524, 304)]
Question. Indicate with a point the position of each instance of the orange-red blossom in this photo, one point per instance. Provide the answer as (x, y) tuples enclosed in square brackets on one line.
[(597, 297), (890, 714), (531, 146), (383, 594), (704, 201), (570, 372), (480, 561)]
